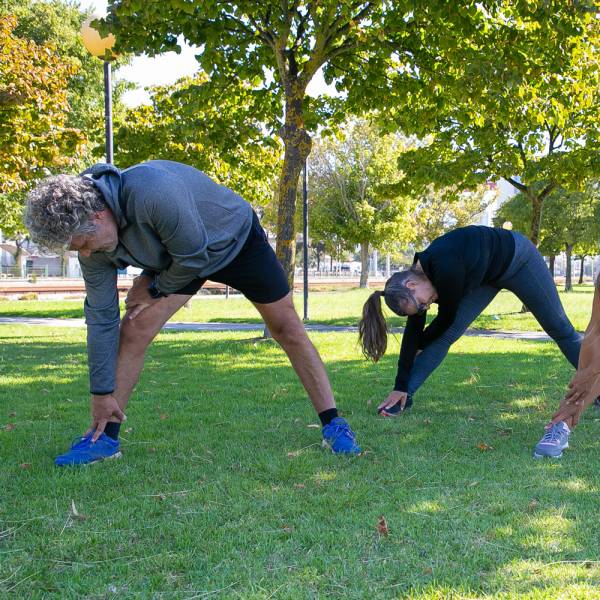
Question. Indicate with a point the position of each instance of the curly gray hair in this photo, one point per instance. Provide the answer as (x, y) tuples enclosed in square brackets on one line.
[(60, 207)]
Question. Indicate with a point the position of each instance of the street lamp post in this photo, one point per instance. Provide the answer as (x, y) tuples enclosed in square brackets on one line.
[(98, 46), (305, 238)]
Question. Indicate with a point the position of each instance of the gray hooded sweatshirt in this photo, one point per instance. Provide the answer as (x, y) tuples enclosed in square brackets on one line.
[(173, 220)]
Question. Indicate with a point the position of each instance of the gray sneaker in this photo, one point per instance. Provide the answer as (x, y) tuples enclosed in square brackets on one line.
[(555, 440)]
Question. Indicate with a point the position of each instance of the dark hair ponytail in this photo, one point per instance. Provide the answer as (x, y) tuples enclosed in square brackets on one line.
[(372, 328)]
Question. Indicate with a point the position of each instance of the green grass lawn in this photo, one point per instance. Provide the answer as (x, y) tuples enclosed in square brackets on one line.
[(224, 492), (331, 308)]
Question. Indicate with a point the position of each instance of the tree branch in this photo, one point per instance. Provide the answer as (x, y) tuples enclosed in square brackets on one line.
[(522, 153), (267, 36), (547, 190), (517, 184), (340, 28)]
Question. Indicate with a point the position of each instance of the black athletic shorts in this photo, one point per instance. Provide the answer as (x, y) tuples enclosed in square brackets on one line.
[(255, 271)]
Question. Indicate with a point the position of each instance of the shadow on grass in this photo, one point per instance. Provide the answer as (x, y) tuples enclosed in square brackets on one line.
[(467, 508)]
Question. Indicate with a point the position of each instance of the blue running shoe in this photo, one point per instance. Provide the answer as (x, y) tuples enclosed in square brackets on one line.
[(555, 440), (84, 452), (338, 436), (395, 410)]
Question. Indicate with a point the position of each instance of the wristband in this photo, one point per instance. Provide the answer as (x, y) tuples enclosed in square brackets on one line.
[(154, 292)]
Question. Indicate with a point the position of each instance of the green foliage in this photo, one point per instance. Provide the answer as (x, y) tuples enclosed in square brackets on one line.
[(439, 211), (489, 79), (507, 89), (58, 23), (51, 100), (278, 47), (351, 176), (34, 134), (217, 129), (569, 219)]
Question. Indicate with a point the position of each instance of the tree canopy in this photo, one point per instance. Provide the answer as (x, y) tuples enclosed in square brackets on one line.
[(350, 178), (185, 121), (507, 90), (33, 118)]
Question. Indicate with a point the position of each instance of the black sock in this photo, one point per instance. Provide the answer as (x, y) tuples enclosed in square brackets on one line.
[(112, 430), (328, 415)]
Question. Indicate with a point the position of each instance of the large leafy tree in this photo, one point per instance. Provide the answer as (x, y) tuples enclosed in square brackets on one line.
[(516, 98), (184, 122), (57, 23), (279, 45), (570, 223), (34, 134), (436, 213), (350, 178)]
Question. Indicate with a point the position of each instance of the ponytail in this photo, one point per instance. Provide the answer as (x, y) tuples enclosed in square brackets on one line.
[(372, 328)]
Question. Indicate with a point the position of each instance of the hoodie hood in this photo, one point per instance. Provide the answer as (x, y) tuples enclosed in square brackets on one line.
[(107, 178)]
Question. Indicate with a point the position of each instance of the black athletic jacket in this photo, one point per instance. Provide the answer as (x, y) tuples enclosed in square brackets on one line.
[(456, 263)]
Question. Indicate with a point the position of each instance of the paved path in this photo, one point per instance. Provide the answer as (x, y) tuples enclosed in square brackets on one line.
[(186, 326)]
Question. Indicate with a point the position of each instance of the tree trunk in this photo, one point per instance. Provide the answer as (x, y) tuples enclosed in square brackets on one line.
[(536, 217), (364, 265), (568, 282), (581, 265), (536, 223), (297, 144), (20, 263), (551, 261), (64, 263)]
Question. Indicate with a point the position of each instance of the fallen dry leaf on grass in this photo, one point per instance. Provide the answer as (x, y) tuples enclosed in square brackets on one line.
[(533, 505), (483, 447), (382, 526), (10, 427), (25, 466), (299, 486), (163, 417)]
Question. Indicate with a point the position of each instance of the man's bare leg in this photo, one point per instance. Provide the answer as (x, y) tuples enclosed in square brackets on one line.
[(287, 329), (135, 336)]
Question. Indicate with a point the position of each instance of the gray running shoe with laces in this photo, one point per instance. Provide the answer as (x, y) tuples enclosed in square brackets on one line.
[(554, 441)]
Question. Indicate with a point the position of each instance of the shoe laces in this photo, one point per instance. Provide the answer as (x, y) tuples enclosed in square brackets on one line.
[(81, 441), (343, 429), (553, 434)]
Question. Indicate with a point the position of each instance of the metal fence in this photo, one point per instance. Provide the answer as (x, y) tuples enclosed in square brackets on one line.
[(23, 272)]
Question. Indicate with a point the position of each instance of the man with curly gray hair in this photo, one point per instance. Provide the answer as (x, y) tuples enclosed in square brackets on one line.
[(62, 207), (181, 228)]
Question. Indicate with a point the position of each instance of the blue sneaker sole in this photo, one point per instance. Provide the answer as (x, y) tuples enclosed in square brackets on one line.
[(93, 462), (536, 455), (540, 456)]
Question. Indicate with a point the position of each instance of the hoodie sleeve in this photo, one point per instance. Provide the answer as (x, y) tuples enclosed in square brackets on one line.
[(174, 216), (408, 350), (101, 308)]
